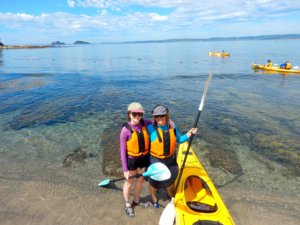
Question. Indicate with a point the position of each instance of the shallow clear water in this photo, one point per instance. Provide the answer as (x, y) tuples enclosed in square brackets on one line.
[(56, 100)]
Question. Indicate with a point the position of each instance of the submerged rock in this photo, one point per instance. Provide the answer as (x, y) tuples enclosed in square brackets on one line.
[(285, 151), (224, 158), (220, 154), (112, 165), (77, 156)]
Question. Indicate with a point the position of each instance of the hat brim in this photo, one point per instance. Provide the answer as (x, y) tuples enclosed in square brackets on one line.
[(159, 114), (137, 110)]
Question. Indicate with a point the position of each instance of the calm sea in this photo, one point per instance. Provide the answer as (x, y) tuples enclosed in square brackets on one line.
[(56, 100)]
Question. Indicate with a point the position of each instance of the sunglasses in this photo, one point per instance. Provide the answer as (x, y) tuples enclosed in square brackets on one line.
[(160, 116), (134, 114)]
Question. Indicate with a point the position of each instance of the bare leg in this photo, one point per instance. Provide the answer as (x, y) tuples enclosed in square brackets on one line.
[(126, 188), (153, 193), (138, 185)]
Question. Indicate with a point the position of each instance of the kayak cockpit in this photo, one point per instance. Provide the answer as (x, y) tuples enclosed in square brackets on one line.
[(207, 222), (198, 196)]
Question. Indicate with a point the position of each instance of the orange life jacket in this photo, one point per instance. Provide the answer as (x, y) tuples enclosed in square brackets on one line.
[(139, 143), (164, 145)]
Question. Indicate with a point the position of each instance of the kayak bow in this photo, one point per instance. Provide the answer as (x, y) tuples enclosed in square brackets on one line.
[(197, 200)]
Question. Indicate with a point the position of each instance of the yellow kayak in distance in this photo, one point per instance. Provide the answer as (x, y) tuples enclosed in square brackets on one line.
[(197, 200), (219, 54), (274, 69)]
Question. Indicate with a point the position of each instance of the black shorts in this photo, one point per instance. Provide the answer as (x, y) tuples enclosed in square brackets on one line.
[(173, 167), (141, 162)]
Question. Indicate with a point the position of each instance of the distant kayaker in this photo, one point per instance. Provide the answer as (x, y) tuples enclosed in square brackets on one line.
[(134, 148), (163, 139), (286, 65), (269, 63)]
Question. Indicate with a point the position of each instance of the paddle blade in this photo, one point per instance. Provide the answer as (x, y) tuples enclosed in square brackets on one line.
[(205, 91), (108, 181), (104, 183), (158, 171), (168, 215)]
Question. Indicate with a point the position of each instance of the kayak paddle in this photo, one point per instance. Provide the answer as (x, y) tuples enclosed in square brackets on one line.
[(157, 171), (168, 215)]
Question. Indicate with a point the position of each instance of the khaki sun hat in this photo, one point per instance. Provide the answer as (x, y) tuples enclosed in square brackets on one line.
[(135, 107)]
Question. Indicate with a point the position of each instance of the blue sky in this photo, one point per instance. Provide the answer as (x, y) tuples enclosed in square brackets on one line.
[(96, 21)]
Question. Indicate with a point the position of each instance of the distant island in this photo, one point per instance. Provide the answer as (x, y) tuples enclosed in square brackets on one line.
[(245, 38), (81, 43), (54, 43)]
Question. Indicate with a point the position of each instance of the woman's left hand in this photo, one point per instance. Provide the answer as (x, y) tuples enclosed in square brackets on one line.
[(192, 131)]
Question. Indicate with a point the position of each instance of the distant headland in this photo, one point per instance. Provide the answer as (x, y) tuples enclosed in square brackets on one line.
[(53, 44), (245, 38), (23, 46)]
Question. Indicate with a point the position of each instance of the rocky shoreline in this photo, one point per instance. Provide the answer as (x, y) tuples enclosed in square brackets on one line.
[(24, 46), (53, 44)]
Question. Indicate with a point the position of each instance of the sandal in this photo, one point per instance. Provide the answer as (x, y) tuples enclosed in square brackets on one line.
[(129, 211), (141, 204)]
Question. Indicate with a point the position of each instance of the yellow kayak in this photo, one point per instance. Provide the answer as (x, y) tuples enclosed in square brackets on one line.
[(275, 69), (197, 200), (219, 54)]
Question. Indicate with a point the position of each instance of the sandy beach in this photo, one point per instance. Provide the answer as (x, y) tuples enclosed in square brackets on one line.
[(35, 203)]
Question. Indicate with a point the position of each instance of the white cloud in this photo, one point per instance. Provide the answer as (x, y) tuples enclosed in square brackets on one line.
[(160, 19), (71, 3), (97, 3), (103, 12), (15, 17), (157, 17), (189, 9)]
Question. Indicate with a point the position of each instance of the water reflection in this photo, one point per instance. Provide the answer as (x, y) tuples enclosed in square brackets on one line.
[(1, 58), (283, 81), (265, 72)]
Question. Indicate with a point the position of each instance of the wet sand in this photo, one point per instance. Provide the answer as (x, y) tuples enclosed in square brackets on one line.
[(35, 203)]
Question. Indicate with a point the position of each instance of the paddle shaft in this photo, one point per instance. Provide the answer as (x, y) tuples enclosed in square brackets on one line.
[(123, 178), (195, 126), (168, 215), (187, 152)]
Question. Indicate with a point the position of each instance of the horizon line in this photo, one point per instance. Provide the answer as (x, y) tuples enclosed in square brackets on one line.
[(257, 37)]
